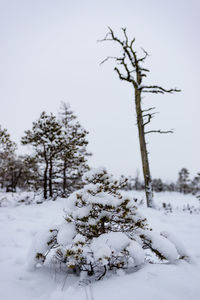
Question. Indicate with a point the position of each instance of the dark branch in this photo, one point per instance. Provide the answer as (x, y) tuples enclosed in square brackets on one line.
[(159, 131), (111, 57), (122, 77), (129, 55), (126, 37), (150, 116), (157, 89), (151, 108), (144, 57)]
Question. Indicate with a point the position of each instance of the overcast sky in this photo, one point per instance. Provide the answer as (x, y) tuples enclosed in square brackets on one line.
[(49, 53)]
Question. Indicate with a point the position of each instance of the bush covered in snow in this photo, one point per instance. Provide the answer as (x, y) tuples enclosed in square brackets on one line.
[(103, 231), (20, 198)]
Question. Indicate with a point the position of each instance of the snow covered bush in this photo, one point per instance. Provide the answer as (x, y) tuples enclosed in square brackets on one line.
[(103, 231)]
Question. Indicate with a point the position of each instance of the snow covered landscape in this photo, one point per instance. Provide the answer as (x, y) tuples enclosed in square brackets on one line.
[(99, 150), (19, 225)]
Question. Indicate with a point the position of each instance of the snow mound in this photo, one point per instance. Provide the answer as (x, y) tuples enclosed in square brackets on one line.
[(176, 242), (163, 245), (66, 234)]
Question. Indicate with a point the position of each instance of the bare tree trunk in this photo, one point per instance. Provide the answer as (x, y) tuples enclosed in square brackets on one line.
[(17, 177), (129, 68), (45, 178), (64, 177), (143, 150), (50, 177)]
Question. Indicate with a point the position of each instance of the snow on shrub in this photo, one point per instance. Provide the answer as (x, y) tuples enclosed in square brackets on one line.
[(103, 231), (177, 243), (42, 243), (19, 198)]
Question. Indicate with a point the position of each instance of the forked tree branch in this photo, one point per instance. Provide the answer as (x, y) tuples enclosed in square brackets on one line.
[(129, 58), (150, 116)]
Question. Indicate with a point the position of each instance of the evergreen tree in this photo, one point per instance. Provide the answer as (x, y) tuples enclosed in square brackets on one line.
[(46, 138), (30, 173), (184, 181), (196, 184), (7, 156), (157, 185), (13, 174), (73, 157), (60, 146), (103, 231), (138, 185)]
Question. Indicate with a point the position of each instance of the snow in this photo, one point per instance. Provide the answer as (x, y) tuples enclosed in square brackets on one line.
[(20, 224), (90, 175), (100, 249), (15, 199), (79, 238), (165, 247), (38, 245), (81, 212), (177, 243), (115, 240), (66, 234), (110, 242), (177, 200), (102, 198), (136, 252)]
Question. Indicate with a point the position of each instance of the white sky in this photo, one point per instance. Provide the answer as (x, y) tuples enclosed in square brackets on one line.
[(49, 54)]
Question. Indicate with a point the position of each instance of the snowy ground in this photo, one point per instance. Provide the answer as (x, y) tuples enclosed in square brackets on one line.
[(153, 282)]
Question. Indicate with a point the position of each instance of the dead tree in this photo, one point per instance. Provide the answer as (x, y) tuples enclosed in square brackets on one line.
[(129, 68)]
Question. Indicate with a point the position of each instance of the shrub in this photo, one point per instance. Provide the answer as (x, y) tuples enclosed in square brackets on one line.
[(103, 231)]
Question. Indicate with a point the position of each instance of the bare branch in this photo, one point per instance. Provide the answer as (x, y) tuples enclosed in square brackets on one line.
[(145, 70), (150, 116), (129, 54), (145, 110), (159, 131), (106, 38), (157, 89), (111, 57), (149, 119), (144, 57), (130, 62), (126, 37), (122, 77)]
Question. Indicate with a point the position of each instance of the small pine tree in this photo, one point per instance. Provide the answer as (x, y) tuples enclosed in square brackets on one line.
[(46, 138), (103, 231), (30, 173), (7, 158), (157, 185), (195, 184), (73, 157), (184, 181), (60, 146)]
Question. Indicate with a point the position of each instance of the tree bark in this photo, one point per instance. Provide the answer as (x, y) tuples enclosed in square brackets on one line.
[(17, 177), (129, 68), (143, 150), (50, 177), (64, 177), (45, 178)]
